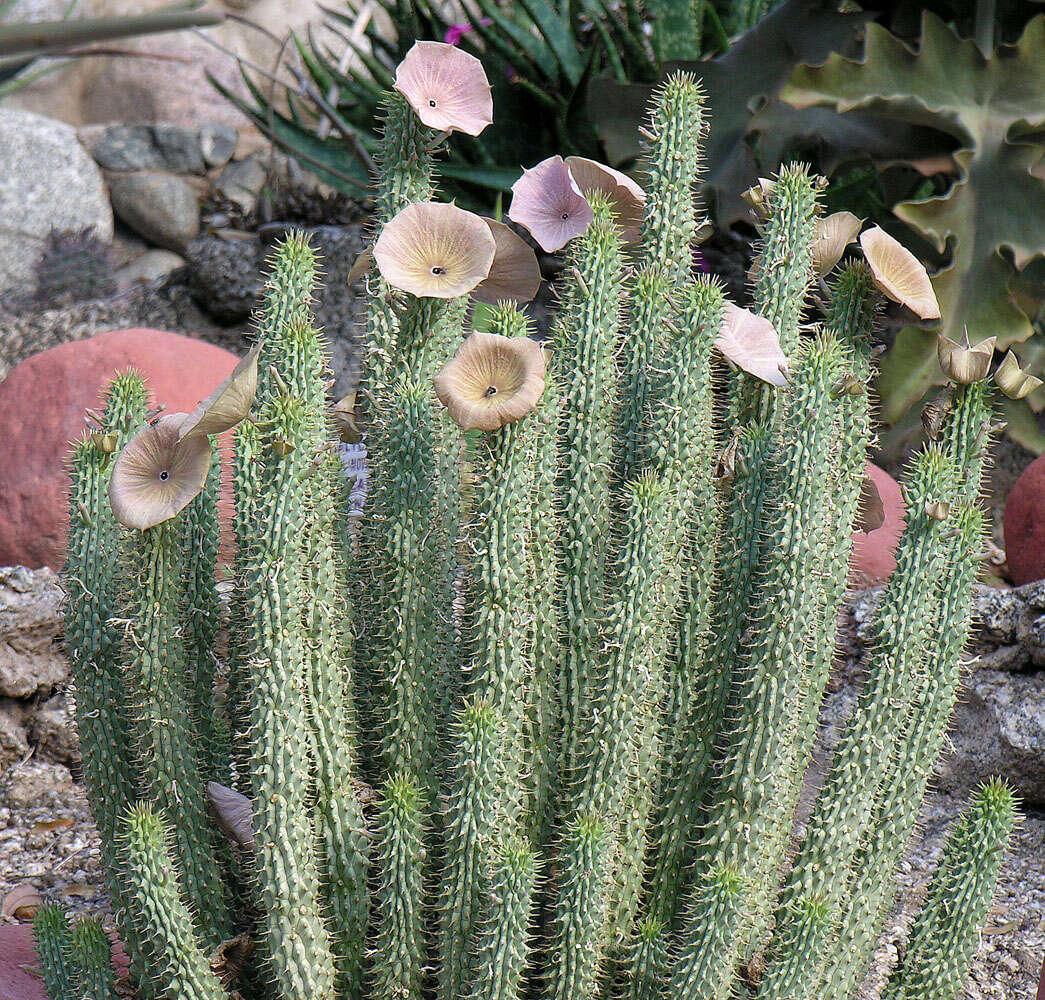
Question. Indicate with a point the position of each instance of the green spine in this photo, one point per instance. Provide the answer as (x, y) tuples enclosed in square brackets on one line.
[(405, 164), (946, 932), (203, 618), (53, 940), (755, 787), (504, 943), (398, 958), (92, 955), (180, 968), (584, 341), (157, 674), (474, 821), (296, 938)]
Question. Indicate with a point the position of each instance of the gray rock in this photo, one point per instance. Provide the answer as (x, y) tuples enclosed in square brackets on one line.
[(36, 783), (53, 732), (180, 148), (999, 612), (31, 661), (226, 276), (48, 183), (173, 148), (14, 743), (126, 147), (161, 208), (153, 265), (999, 729), (218, 143), (242, 182)]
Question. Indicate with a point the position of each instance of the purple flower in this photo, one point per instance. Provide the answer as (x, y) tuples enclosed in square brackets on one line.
[(456, 32)]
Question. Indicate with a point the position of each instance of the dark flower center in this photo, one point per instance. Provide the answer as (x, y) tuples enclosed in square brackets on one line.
[(431, 104), (565, 216), (492, 391), (437, 270), (164, 476)]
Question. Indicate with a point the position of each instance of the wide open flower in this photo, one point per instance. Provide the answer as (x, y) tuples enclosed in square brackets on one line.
[(433, 250), (157, 475), (491, 381), (549, 203), (626, 198), (898, 274), (752, 344), (514, 274), (227, 405), (446, 87)]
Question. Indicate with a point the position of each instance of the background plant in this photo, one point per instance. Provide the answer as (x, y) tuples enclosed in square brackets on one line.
[(551, 738)]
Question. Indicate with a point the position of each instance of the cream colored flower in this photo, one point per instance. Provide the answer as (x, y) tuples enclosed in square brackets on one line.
[(514, 275), (492, 381), (433, 250), (227, 405), (965, 364), (157, 475), (833, 235), (898, 274), (751, 343), (1013, 380), (446, 87)]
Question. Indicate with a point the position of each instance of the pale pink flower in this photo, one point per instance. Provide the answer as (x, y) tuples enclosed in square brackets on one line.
[(549, 203), (446, 87), (626, 198), (751, 343)]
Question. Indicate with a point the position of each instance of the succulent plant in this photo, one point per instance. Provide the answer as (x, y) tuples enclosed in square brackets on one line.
[(538, 724)]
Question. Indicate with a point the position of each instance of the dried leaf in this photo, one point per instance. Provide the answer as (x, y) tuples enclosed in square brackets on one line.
[(22, 902), (870, 512)]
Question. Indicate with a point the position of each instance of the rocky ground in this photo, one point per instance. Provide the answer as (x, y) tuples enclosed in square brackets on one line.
[(48, 842)]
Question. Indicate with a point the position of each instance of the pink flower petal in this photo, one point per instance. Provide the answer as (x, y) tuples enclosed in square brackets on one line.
[(548, 202), (751, 343), (447, 88), (626, 197)]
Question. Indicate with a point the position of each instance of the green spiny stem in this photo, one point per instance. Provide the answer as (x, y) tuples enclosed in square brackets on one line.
[(945, 935), (965, 436), (286, 302), (677, 30), (784, 272), (296, 938), (155, 666), (203, 618), (752, 796), (474, 821), (92, 955), (801, 939), (581, 910), (649, 957), (405, 163), (869, 897), (53, 940), (704, 969), (585, 338), (504, 944), (180, 967), (677, 124), (397, 960)]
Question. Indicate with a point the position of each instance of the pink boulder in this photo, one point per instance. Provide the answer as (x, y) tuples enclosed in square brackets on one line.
[(20, 976), (42, 404), (874, 553), (1024, 525)]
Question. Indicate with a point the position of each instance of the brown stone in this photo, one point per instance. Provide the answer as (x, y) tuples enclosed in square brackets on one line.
[(31, 659)]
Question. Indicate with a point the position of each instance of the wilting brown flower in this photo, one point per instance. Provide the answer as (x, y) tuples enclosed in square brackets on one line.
[(756, 195), (626, 198), (966, 363), (227, 405), (492, 381), (898, 274), (1013, 380), (434, 250), (157, 475), (549, 203), (343, 416), (514, 274), (446, 87), (233, 812), (870, 511), (751, 343), (833, 235)]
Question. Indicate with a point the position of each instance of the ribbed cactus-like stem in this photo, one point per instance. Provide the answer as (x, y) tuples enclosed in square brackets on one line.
[(504, 944), (180, 967), (945, 934), (53, 939), (92, 955), (584, 342), (474, 822), (203, 620), (155, 665), (397, 958), (405, 163)]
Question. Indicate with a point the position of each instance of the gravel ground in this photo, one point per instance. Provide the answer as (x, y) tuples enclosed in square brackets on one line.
[(47, 839)]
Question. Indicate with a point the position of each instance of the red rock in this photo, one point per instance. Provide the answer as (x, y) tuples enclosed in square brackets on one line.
[(1024, 525), (42, 403), (874, 554), (20, 977)]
